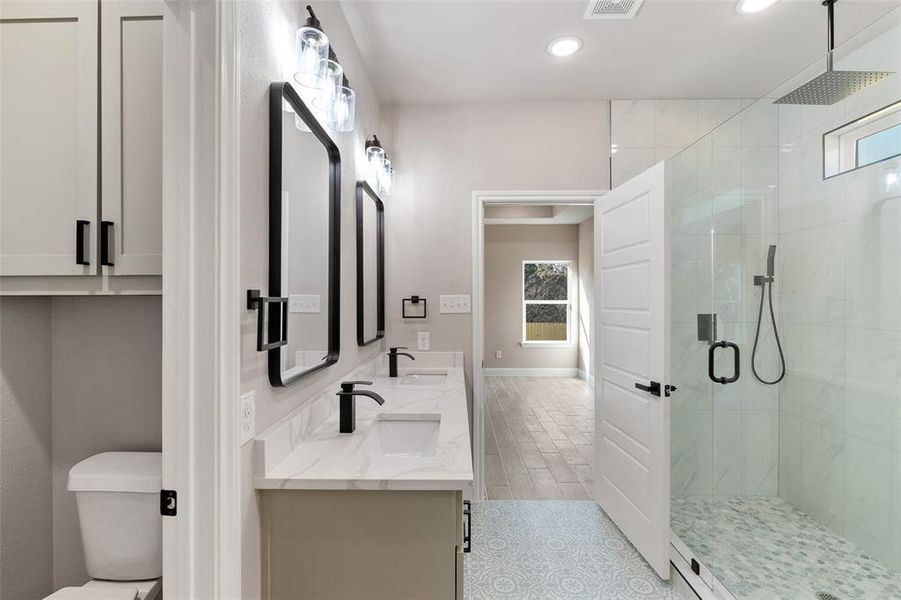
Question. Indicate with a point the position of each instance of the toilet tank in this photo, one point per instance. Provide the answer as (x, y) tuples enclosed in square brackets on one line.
[(118, 498)]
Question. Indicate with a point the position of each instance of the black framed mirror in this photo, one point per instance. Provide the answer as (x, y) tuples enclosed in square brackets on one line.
[(304, 238), (370, 265)]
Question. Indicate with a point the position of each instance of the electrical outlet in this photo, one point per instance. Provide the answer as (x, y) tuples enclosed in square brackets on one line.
[(423, 339), (460, 304), (498, 354), (300, 303), (248, 417)]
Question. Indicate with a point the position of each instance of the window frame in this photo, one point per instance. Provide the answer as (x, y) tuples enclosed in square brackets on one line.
[(840, 144), (569, 303)]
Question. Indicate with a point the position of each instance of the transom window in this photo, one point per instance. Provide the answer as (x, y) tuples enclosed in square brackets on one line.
[(865, 141), (546, 302)]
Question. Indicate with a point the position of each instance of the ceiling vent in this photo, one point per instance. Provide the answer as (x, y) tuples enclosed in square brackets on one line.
[(612, 9)]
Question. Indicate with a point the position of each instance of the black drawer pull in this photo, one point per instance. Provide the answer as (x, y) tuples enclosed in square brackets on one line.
[(711, 359), (106, 238), (82, 245), (467, 527)]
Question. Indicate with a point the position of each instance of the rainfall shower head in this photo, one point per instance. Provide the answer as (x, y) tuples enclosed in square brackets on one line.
[(832, 86)]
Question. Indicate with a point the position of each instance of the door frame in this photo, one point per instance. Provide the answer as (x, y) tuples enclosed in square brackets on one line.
[(481, 199), (201, 299)]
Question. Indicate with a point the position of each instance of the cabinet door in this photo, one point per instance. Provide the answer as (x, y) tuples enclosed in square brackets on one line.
[(48, 137), (131, 77)]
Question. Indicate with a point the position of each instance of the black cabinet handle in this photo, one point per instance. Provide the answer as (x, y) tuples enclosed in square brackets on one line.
[(82, 246), (106, 238), (467, 528), (278, 321), (653, 388), (711, 359)]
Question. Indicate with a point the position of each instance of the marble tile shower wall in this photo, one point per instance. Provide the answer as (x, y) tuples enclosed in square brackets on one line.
[(644, 132), (840, 310), (724, 191)]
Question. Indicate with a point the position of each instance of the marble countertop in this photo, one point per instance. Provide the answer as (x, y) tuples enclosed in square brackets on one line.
[(328, 460)]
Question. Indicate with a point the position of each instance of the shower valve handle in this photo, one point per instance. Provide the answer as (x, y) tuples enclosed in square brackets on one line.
[(711, 359)]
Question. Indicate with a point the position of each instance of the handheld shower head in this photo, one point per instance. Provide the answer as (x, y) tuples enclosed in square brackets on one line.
[(771, 261)]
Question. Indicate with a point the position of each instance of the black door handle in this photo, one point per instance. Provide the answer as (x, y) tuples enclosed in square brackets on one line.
[(711, 358), (106, 238), (81, 240), (653, 388)]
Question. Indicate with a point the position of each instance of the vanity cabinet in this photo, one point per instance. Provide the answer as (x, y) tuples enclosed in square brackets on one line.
[(378, 545), (80, 146)]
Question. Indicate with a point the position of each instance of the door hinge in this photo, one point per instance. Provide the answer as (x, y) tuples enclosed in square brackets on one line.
[(168, 503), (669, 388)]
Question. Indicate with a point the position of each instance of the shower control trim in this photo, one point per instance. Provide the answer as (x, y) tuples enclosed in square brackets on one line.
[(711, 359)]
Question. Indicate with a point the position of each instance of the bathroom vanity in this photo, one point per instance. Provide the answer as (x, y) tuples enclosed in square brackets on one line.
[(377, 513)]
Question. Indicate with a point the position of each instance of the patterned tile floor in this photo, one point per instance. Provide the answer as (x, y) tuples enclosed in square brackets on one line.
[(764, 549), (539, 438), (554, 551)]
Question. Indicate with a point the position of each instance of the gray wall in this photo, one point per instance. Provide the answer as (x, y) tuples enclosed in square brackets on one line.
[(78, 376), (107, 390), (506, 247), (266, 39), (444, 153), (26, 563)]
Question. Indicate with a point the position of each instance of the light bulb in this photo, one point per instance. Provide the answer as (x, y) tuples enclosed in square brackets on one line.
[(342, 109)]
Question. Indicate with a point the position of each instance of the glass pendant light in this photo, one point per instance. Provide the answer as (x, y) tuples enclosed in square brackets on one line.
[(341, 112), (385, 182), (312, 52), (375, 161), (332, 80)]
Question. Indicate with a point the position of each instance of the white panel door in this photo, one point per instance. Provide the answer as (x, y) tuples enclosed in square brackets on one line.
[(632, 428), (131, 67), (48, 137)]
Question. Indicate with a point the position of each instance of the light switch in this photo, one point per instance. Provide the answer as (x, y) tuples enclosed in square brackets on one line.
[(498, 354), (460, 304), (299, 303), (423, 340)]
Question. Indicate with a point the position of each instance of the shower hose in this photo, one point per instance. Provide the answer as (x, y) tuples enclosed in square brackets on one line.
[(764, 291)]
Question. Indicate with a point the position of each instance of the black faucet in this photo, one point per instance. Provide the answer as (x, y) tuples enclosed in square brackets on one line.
[(392, 359), (347, 418)]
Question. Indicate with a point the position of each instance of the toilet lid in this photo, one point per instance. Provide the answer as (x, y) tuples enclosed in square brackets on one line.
[(93, 593)]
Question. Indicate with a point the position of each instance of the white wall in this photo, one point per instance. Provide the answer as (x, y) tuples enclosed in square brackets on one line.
[(266, 41), (586, 296), (26, 543), (445, 152), (506, 247)]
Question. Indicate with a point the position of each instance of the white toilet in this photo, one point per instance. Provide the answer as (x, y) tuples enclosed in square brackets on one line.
[(121, 527)]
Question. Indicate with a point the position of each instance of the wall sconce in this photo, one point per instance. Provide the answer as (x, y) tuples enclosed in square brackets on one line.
[(380, 173), (321, 78), (413, 307)]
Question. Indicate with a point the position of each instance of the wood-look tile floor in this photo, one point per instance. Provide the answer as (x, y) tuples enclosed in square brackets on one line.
[(539, 438)]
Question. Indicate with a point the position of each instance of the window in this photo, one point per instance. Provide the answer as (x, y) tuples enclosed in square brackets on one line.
[(546, 304), (865, 141)]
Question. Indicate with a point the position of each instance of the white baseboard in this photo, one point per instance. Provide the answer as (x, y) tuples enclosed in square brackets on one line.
[(586, 377), (525, 372)]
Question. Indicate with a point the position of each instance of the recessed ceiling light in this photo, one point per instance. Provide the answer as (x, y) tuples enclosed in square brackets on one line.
[(746, 7), (564, 46)]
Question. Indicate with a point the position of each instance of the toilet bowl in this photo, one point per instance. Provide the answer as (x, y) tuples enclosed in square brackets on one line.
[(117, 494)]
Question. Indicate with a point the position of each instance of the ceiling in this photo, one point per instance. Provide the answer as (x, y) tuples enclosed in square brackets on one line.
[(428, 51)]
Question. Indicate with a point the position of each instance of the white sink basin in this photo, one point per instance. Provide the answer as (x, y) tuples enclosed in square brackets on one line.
[(404, 434), (424, 378)]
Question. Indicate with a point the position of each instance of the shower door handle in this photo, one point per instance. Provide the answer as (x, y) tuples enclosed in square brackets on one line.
[(711, 359)]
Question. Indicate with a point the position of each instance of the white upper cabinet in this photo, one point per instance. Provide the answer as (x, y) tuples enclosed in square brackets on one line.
[(48, 137), (131, 83)]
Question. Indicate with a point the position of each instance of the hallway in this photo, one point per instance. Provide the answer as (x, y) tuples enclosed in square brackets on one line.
[(539, 441)]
